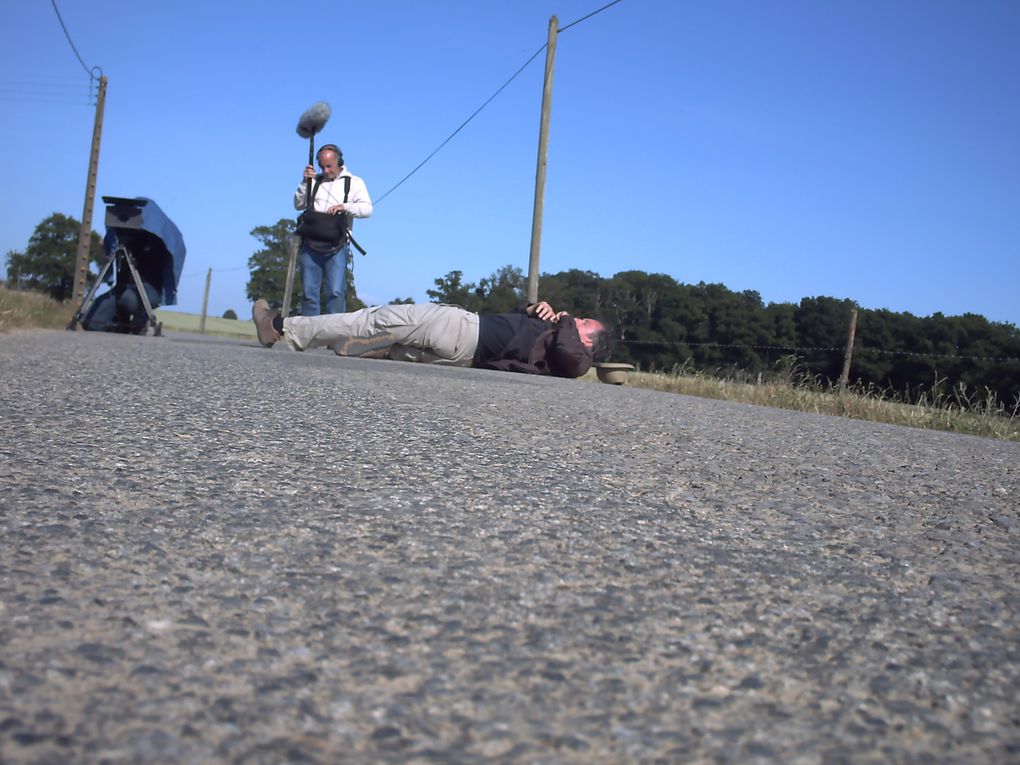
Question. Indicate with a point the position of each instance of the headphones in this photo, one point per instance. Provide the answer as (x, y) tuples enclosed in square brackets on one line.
[(335, 149)]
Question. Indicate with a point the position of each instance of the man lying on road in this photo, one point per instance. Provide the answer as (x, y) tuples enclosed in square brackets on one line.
[(534, 340)]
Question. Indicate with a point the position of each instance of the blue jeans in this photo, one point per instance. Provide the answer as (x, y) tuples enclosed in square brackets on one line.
[(317, 268)]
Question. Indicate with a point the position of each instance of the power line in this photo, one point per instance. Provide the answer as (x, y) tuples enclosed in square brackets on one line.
[(214, 270), (69, 40), (490, 98), (462, 125), (585, 18), (40, 84), (36, 90), (43, 98)]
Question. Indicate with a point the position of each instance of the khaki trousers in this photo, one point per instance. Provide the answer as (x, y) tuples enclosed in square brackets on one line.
[(429, 333)]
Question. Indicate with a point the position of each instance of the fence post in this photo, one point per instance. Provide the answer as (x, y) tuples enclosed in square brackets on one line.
[(844, 377), (205, 302)]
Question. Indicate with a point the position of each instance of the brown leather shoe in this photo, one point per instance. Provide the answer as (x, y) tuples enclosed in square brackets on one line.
[(375, 347), (263, 315)]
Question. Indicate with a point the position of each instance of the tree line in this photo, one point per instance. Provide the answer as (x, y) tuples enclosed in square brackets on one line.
[(661, 324)]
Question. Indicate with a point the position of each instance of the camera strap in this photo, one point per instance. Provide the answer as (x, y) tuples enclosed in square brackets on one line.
[(318, 182)]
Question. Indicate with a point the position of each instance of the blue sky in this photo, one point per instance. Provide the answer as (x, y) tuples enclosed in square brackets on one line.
[(865, 150)]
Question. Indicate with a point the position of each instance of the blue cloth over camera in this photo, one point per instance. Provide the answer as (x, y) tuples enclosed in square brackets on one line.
[(152, 238)]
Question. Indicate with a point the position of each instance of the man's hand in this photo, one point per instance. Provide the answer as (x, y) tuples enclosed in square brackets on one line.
[(309, 172), (545, 312), (335, 209)]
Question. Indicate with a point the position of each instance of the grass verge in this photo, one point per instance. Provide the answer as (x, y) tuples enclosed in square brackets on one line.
[(30, 310), (954, 411)]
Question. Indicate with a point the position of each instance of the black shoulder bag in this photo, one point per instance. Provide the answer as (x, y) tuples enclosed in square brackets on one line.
[(324, 232)]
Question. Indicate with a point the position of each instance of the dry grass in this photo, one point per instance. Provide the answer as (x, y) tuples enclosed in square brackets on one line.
[(31, 310), (28, 310), (957, 410)]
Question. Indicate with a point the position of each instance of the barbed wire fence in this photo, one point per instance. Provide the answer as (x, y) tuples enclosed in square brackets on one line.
[(798, 349), (800, 363), (208, 284)]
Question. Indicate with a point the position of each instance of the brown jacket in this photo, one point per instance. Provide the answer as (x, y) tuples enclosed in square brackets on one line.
[(543, 348)]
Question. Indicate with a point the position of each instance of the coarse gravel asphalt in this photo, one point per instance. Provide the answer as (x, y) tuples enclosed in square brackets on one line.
[(213, 552)]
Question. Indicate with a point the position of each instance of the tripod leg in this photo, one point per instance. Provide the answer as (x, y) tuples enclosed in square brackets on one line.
[(87, 302), (142, 294)]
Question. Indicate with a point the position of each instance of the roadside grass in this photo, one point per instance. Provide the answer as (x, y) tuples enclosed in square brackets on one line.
[(30, 310), (953, 410)]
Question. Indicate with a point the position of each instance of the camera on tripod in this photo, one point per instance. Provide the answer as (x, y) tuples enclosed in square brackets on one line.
[(144, 258)]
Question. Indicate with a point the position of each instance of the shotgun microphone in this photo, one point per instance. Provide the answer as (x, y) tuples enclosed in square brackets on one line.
[(313, 120)]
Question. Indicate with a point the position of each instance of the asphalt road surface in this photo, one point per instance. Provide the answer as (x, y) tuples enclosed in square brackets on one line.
[(213, 552)]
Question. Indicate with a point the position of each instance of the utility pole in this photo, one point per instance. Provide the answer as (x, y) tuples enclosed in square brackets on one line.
[(81, 266), (292, 251), (543, 144)]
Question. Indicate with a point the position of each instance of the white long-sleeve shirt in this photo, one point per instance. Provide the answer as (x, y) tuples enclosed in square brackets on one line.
[(329, 193)]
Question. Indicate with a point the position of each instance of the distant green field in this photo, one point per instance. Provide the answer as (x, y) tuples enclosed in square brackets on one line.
[(214, 325)]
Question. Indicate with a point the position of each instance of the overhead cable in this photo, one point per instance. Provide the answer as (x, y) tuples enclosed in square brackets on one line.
[(67, 34), (490, 98)]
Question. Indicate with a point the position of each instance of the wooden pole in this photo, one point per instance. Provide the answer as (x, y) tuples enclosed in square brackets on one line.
[(292, 246), (543, 145), (844, 377), (205, 302), (81, 265)]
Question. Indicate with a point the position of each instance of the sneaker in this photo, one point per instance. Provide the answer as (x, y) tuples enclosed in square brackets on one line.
[(262, 315)]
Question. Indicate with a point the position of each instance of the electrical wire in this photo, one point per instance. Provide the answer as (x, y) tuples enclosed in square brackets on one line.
[(92, 73), (462, 125), (585, 18), (69, 40), (489, 99)]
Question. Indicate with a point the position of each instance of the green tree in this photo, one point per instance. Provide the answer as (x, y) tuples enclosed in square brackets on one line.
[(580, 293), (784, 327), (503, 290), (47, 264), (268, 266), (741, 328), (989, 358), (452, 290), (230, 314), (354, 303), (635, 300), (822, 326)]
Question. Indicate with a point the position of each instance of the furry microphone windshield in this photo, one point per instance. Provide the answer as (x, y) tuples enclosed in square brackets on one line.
[(313, 120)]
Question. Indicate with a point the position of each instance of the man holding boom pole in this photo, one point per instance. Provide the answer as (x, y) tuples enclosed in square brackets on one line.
[(326, 250)]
